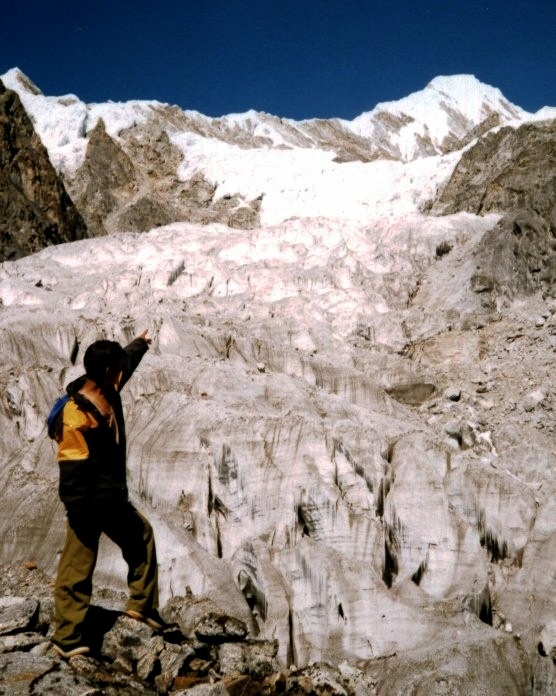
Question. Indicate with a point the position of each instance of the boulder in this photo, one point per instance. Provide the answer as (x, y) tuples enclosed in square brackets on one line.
[(319, 679), (173, 660), (203, 618), (134, 646), (20, 670), (20, 641), (17, 614), (256, 658)]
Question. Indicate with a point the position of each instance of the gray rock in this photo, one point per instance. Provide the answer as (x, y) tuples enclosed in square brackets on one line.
[(464, 433), (17, 614), (217, 689), (203, 618), (254, 657), (173, 662), (517, 256), (20, 641), (66, 683), (147, 665), (452, 393), (244, 685), (413, 393), (106, 677), (316, 679), (20, 670), (219, 628), (134, 643), (145, 214)]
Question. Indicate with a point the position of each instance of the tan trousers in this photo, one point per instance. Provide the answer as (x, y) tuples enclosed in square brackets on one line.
[(74, 583)]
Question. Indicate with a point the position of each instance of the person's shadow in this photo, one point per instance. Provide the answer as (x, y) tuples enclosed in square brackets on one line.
[(99, 621)]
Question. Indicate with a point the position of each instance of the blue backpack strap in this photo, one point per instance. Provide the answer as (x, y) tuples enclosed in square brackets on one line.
[(54, 417)]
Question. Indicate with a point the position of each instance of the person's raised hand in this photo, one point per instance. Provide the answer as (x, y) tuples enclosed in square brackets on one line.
[(145, 337)]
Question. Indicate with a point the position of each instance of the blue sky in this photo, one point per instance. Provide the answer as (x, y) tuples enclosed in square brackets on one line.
[(291, 58)]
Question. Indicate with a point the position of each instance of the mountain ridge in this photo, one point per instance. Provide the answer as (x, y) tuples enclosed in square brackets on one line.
[(256, 169), (268, 130)]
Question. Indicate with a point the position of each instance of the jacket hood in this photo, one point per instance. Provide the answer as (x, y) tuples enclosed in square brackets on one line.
[(76, 385)]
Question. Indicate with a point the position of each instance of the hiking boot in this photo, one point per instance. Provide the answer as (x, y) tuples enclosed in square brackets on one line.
[(70, 651), (152, 618)]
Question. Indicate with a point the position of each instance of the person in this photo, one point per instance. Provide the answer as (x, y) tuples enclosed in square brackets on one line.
[(92, 459)]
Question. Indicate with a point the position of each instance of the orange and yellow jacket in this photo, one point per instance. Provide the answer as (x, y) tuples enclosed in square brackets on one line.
[(91, 453)]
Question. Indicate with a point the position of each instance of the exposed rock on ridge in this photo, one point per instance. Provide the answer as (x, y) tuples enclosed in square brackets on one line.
[(509, 170), (132, 185), (36, 209), (156, 140)]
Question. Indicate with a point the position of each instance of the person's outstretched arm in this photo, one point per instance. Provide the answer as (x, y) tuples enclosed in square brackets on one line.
[(134, 352)]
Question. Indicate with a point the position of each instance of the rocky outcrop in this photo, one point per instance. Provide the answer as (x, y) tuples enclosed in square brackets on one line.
[(517, 257), (130, 659), (36, 209), (261, 130), (505, 171), (131, 185), (105, 180)]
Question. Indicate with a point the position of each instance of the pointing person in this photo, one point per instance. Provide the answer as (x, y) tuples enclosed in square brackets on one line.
[(90, 433)]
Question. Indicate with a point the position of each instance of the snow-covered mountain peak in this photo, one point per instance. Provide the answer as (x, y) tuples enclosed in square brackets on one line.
[(438, 118), (473, 96), (465, 93), (63, 122), (444, 116), (16, 80)]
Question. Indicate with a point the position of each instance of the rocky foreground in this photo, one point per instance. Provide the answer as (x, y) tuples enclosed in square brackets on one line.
[(209, 653)]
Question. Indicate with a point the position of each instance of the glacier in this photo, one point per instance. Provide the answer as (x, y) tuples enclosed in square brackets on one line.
[(329, 433)]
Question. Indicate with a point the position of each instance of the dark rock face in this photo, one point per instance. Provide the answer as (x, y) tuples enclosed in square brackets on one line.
[(106, 177), (145, 214), (512, 172), (517, 257), (506, 171), (36, 209), (413, 392), (129, 184)]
